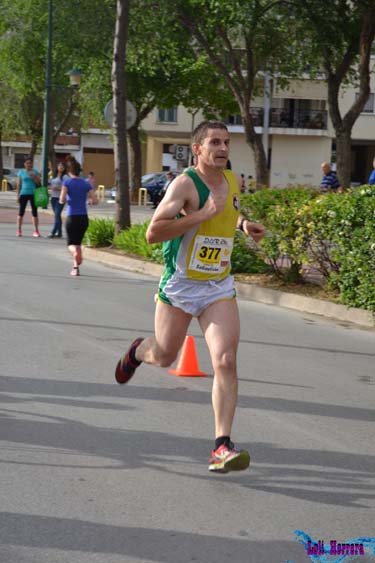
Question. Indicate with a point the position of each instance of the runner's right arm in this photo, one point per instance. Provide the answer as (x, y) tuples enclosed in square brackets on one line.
[(181, 196)]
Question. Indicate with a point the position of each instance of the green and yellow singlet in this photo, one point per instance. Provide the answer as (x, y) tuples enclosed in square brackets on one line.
[(204, 252)]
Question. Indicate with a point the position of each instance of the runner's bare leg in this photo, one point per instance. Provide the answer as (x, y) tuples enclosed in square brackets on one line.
[(171, 325), (220, 325)]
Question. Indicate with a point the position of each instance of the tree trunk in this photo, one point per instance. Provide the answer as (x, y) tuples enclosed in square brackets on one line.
[(119, 117), (34, 146), (343, 156), (255, 142), (136, 159), (1, 159), (336, 78)]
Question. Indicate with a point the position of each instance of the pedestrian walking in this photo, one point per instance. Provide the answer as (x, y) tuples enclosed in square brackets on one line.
[(75, 192), (371, 179), (91, 180), (28, 179), (56, 185), (196, 221)]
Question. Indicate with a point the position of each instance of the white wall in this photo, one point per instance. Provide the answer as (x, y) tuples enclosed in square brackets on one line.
[(297, 160), (241, 155)]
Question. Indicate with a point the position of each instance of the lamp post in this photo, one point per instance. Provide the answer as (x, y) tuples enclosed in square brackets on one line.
[(47, 99), (74, 78)]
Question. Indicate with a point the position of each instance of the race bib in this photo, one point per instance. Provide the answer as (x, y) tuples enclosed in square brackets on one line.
[(211, 255)]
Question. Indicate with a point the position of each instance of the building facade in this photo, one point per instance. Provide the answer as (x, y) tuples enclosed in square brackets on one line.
[(294, 123)]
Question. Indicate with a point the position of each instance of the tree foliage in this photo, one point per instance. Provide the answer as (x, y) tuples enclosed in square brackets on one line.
[(338, 39)]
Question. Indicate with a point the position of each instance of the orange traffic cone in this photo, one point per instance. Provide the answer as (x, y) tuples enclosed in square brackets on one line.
[(188, 362)]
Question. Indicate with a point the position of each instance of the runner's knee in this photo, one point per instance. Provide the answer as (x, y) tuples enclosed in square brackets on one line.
[(166, 359), (225, 362)]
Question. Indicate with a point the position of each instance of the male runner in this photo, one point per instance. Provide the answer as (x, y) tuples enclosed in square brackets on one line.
[(196, 221)]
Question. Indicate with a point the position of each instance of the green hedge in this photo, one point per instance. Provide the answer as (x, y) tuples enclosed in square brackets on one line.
[(341, 233), (334, 232), (100, 233), (278, 210)]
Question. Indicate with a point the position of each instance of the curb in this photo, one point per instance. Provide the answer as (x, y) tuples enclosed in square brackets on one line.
[(249, 291)]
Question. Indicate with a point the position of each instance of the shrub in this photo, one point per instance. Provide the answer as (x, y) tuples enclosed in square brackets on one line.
[(245, 260), (133, 241), (354, 244), (338, 231), (278, 210), (100, 232)]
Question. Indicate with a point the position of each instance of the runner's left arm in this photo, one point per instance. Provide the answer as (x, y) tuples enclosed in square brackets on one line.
[(254, 230)]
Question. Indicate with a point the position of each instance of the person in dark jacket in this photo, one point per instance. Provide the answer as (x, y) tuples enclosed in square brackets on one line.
[(330, 182)]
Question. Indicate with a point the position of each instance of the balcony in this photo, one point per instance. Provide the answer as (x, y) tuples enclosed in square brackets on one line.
[(68, 139), (298, 119), (256, 114)]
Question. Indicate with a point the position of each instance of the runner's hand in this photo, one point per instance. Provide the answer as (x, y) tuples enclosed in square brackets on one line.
[(254, 230), (214, 205)]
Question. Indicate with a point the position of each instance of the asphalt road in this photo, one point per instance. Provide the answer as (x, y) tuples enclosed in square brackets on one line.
[(93, 472)]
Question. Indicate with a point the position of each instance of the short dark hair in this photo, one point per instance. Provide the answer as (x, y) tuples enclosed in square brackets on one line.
[(200, 132)]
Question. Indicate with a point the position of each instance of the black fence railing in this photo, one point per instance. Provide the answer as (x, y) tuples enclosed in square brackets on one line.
[(301, 119), (256, 113), (298, 119)]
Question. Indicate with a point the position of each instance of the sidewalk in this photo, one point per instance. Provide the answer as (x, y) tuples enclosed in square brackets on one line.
[(106, 208), (253, 292)]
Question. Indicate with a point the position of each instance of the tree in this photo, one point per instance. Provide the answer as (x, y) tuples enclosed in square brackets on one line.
[(162, 70), (23, 38), (22, 63), (119, 116), (338, 37), (9, 113), (241, 40)]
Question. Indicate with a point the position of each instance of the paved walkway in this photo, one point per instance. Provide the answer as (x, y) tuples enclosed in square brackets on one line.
[(364, 318), (106, 208)]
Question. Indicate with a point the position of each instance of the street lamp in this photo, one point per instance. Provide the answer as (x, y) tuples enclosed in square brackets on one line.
[(74, 78)]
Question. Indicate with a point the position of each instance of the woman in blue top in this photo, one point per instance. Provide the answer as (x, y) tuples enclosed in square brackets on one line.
[(74, 192), (28, 180), (371, 180)]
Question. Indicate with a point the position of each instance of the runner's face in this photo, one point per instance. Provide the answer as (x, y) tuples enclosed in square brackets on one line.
[(214, 150)]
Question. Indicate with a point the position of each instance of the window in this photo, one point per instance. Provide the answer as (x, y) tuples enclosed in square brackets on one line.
[(369, 105), (167, 115), (233, 120)]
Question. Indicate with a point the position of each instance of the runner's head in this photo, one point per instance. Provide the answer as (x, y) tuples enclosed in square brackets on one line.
[(200, 132), (210, 144)]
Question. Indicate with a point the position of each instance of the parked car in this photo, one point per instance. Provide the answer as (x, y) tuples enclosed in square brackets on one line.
[(152, 182), (156, 184), (10, 175)]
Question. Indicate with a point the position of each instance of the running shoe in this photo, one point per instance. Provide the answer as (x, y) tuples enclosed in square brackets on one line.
[(226, 458), (126, 367), (75, 271), (36, 234), (19, 234)]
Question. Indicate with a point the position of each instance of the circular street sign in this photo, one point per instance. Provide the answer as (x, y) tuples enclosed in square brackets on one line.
[(131, 114)]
